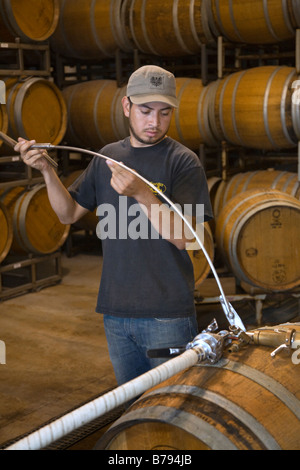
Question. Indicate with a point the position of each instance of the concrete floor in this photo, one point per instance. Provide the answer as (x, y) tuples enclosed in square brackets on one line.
[(56, 351)]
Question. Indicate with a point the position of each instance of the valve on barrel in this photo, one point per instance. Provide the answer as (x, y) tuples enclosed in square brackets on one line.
[(209, 345)]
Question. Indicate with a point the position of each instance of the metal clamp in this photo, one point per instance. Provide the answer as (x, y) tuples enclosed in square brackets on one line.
[(209, 345)]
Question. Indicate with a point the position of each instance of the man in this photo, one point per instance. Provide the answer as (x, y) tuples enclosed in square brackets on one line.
[(147, 285)]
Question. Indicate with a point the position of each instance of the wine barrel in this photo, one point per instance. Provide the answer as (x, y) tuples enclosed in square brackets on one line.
[(247, 401), (199, 260), (36, 228), (253, 108), (254, 22), (30, 21), (258, 234), (3, 121), (190, 123), (294, 9), (168, 28), (95, 113), (6, 232), (283, 181), (91, 29), (213, 186), (36, 110)]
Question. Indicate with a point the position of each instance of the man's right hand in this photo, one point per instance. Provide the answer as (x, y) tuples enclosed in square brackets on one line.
[(33, 158)]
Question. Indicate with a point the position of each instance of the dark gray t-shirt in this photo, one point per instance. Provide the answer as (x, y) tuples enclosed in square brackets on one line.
[(143, 275)]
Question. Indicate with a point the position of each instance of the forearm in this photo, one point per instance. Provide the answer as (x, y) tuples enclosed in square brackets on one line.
[(165, 220), (60, 199), (66, 208)]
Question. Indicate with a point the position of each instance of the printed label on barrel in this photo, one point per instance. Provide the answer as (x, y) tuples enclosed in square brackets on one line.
[(279, 275), (276, 219)]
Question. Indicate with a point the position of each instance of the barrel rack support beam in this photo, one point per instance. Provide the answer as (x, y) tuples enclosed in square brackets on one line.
[(42, 51), (26, 270)]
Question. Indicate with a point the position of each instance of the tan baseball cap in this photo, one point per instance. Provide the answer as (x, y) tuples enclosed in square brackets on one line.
[(151, 83)]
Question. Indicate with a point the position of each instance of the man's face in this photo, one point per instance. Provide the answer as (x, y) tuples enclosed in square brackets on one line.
[(148, 122)]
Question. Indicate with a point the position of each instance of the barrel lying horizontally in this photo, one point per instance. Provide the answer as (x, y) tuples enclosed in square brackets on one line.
[(258, 234), (284, 181), (200, 264), (168, 28), (190, 122), (246, 401), (3, 120), (95, 113), (36, 228), (36, 109), (256, 21), (254, 108), (29, 21), (90, 30), (6, 232)]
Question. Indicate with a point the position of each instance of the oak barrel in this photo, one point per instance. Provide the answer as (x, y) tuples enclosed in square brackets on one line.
[(91, 29), (95, 113), (284, 181), (168, 28), (36, 110), (253, 108), (213, 184), (247, 401), (36, 227), (200, 263), (33, 20), (3, 120), (255, 21), (258, 234), (190, 123), (6, 232)]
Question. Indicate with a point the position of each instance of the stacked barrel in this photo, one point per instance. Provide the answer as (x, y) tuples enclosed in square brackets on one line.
[(34, 108), (256, 108), (95, 29)]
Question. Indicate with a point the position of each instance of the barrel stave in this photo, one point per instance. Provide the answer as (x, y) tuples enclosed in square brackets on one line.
[(247, 400)]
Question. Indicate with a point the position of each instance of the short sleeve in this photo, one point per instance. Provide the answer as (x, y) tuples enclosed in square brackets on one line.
[(190, 189), (83, 189)]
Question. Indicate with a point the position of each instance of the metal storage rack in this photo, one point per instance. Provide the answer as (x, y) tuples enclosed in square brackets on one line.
[(41, 65), (29, 272), (230, 58), (20, 274)]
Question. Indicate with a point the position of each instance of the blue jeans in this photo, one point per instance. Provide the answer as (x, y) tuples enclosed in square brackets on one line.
[(129, 339)]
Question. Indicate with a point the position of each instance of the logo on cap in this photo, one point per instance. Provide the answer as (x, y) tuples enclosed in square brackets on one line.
[(157, 81)]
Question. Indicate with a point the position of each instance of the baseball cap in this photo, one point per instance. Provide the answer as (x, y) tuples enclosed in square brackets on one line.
[(151, 83)]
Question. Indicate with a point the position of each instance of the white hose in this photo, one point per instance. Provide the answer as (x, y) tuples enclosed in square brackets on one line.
[(85, 414), (98, 407)]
